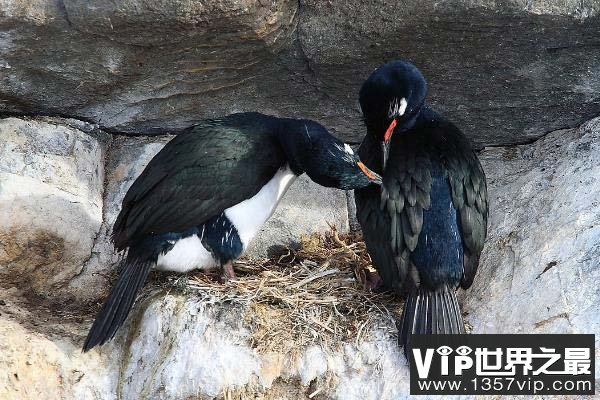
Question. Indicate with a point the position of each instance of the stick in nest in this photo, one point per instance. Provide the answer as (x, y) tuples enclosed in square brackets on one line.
[(308, 295)]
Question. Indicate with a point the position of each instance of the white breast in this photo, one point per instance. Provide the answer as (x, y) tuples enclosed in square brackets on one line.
[(186, 255), (250, 215)]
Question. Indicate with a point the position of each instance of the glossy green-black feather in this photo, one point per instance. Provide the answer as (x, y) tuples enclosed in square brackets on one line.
[(392, 222), (198, 174)]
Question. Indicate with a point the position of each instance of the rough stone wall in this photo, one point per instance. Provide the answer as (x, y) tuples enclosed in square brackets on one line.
[(52, 183), (508, 73), (538, 274)]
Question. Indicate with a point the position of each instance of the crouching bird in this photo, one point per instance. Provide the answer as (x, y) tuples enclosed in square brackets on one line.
[(426, 227), (206, 194)]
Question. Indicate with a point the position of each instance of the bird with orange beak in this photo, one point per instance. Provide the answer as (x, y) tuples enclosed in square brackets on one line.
[(203, 198), (425, 228)]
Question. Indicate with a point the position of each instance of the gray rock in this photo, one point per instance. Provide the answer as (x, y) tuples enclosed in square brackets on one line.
[(506, 72), (136, 65), (540, 268), (51, 187), (353, 220), (538, 273)]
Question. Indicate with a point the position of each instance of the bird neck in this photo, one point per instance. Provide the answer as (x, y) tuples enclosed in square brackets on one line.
[(294, 139)]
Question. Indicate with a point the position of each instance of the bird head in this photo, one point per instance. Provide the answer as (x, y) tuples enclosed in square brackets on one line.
[(391, 99), (325, 159)]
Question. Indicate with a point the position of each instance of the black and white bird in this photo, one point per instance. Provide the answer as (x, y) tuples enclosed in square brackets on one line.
[(425, 228), (206, 194)]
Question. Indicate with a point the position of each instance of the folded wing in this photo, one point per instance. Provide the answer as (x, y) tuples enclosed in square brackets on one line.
[(197, 175)]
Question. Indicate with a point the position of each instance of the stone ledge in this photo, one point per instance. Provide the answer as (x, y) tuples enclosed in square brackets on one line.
[(540, 259)]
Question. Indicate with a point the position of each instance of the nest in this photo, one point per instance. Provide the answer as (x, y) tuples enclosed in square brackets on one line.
[(313, 294)]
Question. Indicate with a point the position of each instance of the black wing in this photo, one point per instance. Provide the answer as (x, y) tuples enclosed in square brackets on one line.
[(197, 175), (469, 196), (392, 223)]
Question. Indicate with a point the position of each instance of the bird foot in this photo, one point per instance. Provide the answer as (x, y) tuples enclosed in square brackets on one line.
[(373, 281), (369, 279), (227, 271)]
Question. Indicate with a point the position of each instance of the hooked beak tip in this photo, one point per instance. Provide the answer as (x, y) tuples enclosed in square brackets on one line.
[(378, 180), (385, 149)]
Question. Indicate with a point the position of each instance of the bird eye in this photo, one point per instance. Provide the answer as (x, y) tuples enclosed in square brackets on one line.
[(464, 350), (444, 350)]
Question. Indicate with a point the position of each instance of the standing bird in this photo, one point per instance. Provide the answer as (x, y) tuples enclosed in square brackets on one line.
[(206, 194), (426, 227)]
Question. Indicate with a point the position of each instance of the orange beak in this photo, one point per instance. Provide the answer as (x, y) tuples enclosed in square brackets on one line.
[(389, 131), (385, 145), (370, 174)]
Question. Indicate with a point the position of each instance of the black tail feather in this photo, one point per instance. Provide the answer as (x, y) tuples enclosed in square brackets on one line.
[(428, 311), (119, 302)]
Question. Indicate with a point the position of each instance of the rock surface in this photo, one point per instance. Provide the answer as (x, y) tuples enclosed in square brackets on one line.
[(538, 273), (126, 160), (169, 359), (505, 72), (540, 267), (138, 66), (51, 188), (44, 367), (131, 62)]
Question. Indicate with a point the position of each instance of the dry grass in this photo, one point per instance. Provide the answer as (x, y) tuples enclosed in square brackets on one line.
[(312, 294)]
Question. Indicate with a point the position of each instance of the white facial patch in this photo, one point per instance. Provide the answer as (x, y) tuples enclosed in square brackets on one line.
[(348, 149), (397, 108), (403, 105)]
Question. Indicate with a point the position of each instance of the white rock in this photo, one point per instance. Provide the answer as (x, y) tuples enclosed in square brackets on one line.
[(51, 186), (43, 367), (540, 268), (127, 159), (538, 274), (184, 350), (175, 346)]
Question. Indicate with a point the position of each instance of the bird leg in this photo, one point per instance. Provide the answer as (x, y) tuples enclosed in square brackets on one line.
[(373, 281), (369, 279), (227, 271)]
